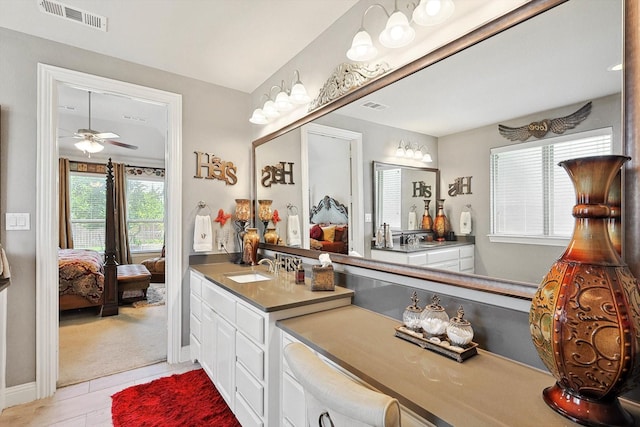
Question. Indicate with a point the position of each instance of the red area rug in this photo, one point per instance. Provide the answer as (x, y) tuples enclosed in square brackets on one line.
[(188, 399)]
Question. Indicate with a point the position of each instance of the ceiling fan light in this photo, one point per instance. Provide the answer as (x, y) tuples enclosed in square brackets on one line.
[(362, 48), (269, 109), (397, 32), (299, 94), (258, 117), (283, 103), (433, 12), (87, 146)]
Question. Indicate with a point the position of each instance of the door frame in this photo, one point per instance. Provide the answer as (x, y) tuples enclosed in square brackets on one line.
[(356, 211), (47, 338)]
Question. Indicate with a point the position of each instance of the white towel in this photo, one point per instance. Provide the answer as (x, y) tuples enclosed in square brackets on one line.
[(202, 235), (465, 222), (4, 265), (413, 221), (389, 238), (293, 231)]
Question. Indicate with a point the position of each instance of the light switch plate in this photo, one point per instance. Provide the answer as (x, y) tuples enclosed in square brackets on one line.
[(367, 217), (18, 221)]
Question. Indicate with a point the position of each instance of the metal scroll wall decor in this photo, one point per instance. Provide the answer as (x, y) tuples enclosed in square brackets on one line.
[(282, 173), (540, 129), (345, 78), (215, 168)]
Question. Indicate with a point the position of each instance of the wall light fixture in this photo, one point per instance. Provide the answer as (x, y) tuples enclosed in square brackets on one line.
[(285, 100), (406, 151)]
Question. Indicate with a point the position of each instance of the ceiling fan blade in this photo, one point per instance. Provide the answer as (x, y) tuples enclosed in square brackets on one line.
[(106, 135), (121, 144)]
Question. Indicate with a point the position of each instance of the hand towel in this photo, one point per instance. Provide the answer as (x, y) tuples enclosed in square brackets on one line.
[(413, 221), (389, 238), (202, 235), (4, 265), (293, 231), (465, 222)]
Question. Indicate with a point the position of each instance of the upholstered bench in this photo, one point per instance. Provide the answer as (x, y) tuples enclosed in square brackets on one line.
[(133, 281)]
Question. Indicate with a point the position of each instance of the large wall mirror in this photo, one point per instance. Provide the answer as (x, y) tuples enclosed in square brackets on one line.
[(450, 103)]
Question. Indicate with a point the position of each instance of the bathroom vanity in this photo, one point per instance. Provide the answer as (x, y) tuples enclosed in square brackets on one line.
[(233, 333), (455, 256)]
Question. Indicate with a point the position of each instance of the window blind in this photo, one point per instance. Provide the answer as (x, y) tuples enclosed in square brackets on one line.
[(391, 188)]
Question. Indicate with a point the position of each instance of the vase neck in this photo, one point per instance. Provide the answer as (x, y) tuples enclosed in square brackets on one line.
[(591, 244)]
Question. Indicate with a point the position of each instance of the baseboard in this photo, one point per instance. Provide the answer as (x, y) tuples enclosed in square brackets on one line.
[(19, 394)]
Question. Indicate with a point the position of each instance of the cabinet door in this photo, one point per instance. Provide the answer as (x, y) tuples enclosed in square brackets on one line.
[(208, 328), (225, 360)]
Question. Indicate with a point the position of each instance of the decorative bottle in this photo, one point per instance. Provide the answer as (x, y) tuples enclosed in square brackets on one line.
[(433, 319), (427, 221), (441, 225), (584, 317), (250, 246)]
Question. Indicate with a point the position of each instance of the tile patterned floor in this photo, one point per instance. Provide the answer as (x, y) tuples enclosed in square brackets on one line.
[(85, 404)]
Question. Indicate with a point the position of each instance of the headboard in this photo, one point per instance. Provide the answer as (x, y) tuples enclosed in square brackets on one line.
[(329, 211)]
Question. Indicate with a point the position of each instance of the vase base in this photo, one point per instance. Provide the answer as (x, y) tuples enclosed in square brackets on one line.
[(584, 411)]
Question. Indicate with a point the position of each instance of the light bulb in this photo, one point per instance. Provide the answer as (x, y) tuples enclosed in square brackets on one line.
[(409, 152), (258, 117), (427, 158), (433, 12), (362, 48), (417, 154), (299, 94), (282, 102), (398, 32), (269, 109)]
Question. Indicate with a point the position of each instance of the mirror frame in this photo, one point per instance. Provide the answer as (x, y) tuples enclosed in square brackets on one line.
[(374, 181), (631, 146)]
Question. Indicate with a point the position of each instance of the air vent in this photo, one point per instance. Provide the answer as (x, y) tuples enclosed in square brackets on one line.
[(374, 105), (73, 14), (134, 118)]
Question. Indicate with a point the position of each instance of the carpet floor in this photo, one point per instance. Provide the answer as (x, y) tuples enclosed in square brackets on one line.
[(188, 399), (92, 346)]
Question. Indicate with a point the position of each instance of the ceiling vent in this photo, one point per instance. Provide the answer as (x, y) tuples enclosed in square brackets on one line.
[(73, 14), (374, 105)]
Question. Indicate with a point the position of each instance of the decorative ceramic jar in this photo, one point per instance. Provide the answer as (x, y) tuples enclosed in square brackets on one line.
[(427, 221), (271, 236), (264, 210), (243, 210), (584, 317), (411, 314), (441, 225), (250, 246), (434, 319), (459, 330)]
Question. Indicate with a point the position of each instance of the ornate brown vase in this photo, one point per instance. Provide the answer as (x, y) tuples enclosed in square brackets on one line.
[(250, 246), (271, 236), (441, 225), (427, 221), (585, 316)]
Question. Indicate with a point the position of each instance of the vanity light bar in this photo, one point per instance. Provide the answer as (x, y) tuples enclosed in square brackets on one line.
[(285, 100)]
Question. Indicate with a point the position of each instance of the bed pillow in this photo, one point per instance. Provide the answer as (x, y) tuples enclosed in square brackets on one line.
[(315, 244), (316, 232), (339, 234), (328, 233)]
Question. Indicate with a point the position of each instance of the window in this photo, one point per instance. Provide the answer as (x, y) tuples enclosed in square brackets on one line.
[(390, 184), (87, 194), (531, 196), (145, 212)]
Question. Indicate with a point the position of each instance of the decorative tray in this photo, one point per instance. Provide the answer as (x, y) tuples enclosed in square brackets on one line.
[(438, 344)]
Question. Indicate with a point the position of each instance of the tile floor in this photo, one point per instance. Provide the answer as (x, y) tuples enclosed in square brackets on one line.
[(85, 404)]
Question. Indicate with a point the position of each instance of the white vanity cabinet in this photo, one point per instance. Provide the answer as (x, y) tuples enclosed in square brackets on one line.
[(458, 258), (292, 403), (238, 345)]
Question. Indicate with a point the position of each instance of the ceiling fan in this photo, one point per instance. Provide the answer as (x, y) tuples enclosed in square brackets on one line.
[(92, 141)]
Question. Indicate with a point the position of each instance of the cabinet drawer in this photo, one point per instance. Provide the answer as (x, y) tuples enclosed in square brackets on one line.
[(194, 348), (250, 355), (221, 303), (417, 259), (250, 389), (196, 305), (245, 415), (466, 264), (250, 322), (196, 283), (467, 251), (196, 326), (441, 255), (446, 265), (293, 405)]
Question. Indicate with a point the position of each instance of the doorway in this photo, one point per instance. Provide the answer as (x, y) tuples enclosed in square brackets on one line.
[(47, 339), (348, 143)]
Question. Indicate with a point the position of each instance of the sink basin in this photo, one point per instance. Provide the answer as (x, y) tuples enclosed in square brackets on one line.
[(248, 277)]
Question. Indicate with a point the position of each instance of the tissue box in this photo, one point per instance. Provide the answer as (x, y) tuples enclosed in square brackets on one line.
[(322, 278)]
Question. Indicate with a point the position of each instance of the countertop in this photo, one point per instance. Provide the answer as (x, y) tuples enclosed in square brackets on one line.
[(484, 390), (279, 293), (424, 246)]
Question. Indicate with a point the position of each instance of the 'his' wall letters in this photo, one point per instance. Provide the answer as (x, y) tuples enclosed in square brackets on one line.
[(216, 168)]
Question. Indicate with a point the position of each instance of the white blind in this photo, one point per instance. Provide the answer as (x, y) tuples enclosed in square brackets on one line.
[(392, 205), (530, 194)]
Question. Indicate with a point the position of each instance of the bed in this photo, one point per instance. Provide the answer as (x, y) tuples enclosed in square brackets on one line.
[(87, 278), (329, 226)]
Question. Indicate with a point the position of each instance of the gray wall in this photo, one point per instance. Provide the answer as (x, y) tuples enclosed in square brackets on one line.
[(214, 120)]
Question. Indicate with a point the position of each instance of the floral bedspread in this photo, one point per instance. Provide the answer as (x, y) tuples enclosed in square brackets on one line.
[(81, 273)]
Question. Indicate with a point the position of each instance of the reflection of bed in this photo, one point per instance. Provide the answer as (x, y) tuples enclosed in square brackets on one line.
[(81, 278), (329, 231)]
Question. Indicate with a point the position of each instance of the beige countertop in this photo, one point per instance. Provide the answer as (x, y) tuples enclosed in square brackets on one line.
[(279, 293), (485, 390)]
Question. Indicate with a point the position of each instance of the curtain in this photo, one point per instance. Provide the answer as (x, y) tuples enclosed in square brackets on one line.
[(65, 234), (123, 253)]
